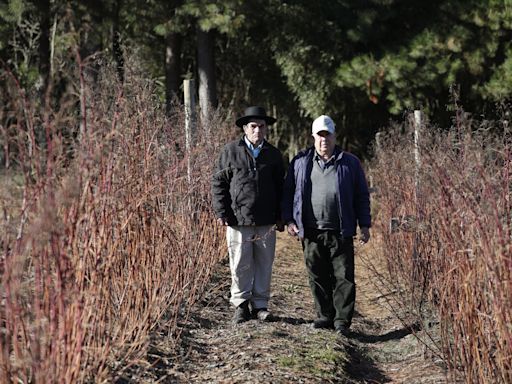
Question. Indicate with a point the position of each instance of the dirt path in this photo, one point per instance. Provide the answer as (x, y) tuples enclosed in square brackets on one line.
[(288, 350)]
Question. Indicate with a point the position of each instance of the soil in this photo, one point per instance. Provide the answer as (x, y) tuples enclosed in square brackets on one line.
[(380, 348)]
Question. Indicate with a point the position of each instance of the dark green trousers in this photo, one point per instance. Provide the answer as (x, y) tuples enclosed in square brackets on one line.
[(329, 260)]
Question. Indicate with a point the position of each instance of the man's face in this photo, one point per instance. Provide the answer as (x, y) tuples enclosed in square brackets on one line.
[(255, 130), (324, 143)]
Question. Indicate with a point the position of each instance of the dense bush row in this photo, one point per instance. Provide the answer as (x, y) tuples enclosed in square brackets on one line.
[(112, 241), (446, 227)]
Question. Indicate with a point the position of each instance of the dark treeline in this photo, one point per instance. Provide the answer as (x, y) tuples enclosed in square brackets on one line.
[(365, 63)]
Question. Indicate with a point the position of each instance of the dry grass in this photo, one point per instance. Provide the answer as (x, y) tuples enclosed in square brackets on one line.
[(110, 240), (449, 251)]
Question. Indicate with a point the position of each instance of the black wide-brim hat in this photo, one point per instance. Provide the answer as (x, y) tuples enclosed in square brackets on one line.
[(254, 112)]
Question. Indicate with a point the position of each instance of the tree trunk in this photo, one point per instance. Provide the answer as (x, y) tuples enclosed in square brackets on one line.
[(172, 69), (206, 72), (116, 41), (44, 41)]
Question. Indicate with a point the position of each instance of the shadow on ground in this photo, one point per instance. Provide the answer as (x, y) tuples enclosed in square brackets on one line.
[(361, 368), (393, 335), (289, 320)]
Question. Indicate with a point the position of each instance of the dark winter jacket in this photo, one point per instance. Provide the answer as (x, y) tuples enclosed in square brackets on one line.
[(352, 188), (245, 190)]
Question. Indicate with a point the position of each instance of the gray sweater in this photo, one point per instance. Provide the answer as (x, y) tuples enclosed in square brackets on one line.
[(321, 199)]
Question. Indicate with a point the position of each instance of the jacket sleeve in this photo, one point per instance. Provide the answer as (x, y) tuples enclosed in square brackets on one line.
[(288, 194), (221, 180), (278, 182), (362, 198)]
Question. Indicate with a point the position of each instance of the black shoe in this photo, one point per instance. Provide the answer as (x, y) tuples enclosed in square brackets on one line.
[(242, 313), (342, 330), (262, 314), (322, 323)]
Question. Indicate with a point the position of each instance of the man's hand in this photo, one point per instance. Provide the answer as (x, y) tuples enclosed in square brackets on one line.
[(222, 221), (292, 229), (364, 235)]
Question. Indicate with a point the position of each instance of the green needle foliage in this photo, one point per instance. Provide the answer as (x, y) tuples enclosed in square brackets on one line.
[(362, 62)]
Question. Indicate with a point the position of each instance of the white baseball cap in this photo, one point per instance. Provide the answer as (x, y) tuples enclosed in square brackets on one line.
[(323, 123)]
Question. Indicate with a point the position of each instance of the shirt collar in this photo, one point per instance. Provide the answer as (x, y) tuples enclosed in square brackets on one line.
[(251, 145), (255, 150), (334, 155), (326, 163)]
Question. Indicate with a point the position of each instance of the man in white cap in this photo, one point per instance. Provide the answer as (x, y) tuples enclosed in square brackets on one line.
[(325, 198), (246, 193)]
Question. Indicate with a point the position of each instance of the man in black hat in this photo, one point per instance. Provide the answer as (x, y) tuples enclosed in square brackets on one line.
[(246, 193)]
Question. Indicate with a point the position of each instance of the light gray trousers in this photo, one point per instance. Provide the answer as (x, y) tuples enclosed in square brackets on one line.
[(251, 255)]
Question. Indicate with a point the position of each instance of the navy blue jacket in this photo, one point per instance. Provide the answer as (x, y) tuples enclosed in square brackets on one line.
[(354, 198)]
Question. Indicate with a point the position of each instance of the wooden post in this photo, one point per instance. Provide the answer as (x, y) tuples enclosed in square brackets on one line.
[(292, 147), (377, 151), (190, 120), (417, 135), (417, 266), (418, 122), (378, 142)]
